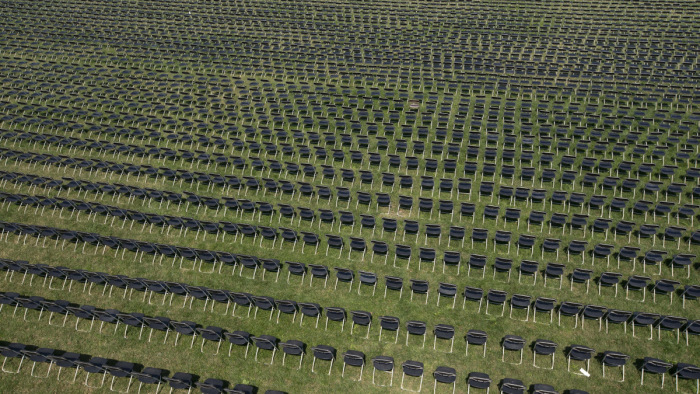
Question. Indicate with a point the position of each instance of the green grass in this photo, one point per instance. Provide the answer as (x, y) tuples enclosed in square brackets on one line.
[(538, 23)]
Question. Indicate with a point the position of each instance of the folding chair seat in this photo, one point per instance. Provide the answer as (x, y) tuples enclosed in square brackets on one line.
[(414, 327), (546, 305), (512, 343), (13, 351), (410, 227), (265, 342), (519, 301), (655, 366), (540, 388), (211, 386), (293, 348), (512, 386), (265, 303), (288, 235), (367, 222), (389, 323), (34, 303), (393, 283), (337, 315), (446, 375), (609, 279), (120, 369), (527, 242), (663, 287), (309, 239), (543, 347), (528, 267), (579, 353), (554, 271), (641, 319), (383, 199), (479, 235), (335, 242), (419, 287), (593, 312), (682, 260), (691, 292), (40, 355), (446, 332), (496, 297), (671, 323), (413, 369), (361, 318), (490, 212), (354, 358), (652, 258), (687, 372), (383, 364), (581, 275)]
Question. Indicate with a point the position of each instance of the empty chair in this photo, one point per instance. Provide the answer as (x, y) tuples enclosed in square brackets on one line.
[(414, 327), (413, 369), (615, 316), (477, 261), (324, 353), (544, 305), (615, 360), (540, 388), (213, 334), (367, 279), (383, 364), (609, 279), (238, 338), (663, 287), (361, 318), (545, 348), (318, 271), (451, 258), (496, 297), (478, 380), (447, 290), (579, 353), (691, 292), (473, 294), (445, 375), (394, 283), (343, 275), (581, 275), (476, 338), (571, 309), (444, 332), (502, 265), (180, 381), (389, 323), (637, 283), (211, 386), (512, 343), (593, 312), (520, 301), (356, 359), (337, 315), (655, 366), (309, 309), (528, 267), (554, 271), (512, 386), (687, 372), (419, 287), (266, 342), (671, 323)]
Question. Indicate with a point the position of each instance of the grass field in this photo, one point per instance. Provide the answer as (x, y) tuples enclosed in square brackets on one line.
[(135, 76)]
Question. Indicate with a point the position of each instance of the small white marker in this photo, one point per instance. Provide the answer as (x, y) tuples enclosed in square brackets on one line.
[(585, 373)]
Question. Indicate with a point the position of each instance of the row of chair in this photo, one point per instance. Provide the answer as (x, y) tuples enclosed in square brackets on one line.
[(518, 302), (122, 370), (510, 343)]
